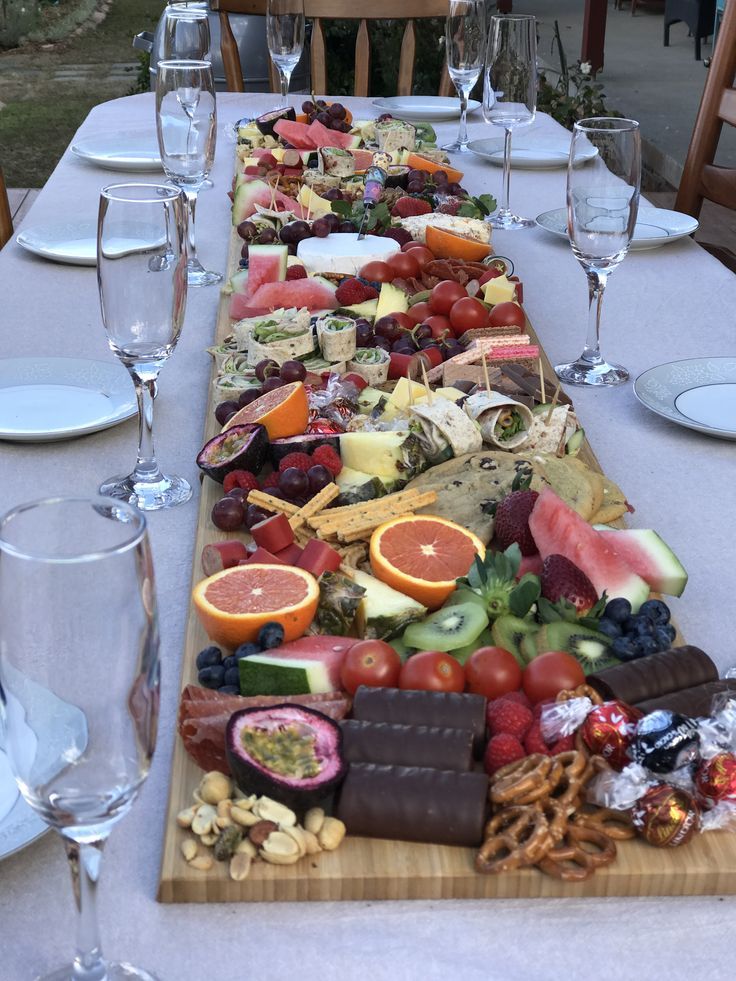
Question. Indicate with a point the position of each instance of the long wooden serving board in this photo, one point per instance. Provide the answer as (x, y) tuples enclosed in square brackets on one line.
[(371, 868)]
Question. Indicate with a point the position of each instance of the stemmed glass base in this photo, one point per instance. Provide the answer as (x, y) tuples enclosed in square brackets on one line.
[(197, 275), (506, 221), (457, 147), (114, 971), (591, 369), (149, 495)]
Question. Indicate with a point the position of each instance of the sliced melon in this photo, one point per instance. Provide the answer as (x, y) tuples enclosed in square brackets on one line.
[(365, 309), (394, 454), (356, 486), (650, 557), (314, 204), (384, 612), (268, 674), (391, 300)]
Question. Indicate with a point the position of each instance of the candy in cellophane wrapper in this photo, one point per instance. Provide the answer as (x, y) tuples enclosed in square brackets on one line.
[(336, 402), (606, 729)]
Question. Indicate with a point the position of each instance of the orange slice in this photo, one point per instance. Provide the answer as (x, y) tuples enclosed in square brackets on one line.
[(422, 555), (234, 604), (283, 411), (419, 162), (448, 245)]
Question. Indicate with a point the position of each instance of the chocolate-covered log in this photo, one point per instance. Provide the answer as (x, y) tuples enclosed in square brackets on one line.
[(414, 803), (696, 701), (396, 745), (423, 708), (655, 675)]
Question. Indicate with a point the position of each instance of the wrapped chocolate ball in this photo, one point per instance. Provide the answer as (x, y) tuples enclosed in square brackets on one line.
[(715, 780), (608, 730), (666, 816), (665, 741)]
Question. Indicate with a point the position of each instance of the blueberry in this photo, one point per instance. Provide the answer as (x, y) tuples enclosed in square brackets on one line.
[(609, 628), (209, 657), (624, 649), (670, 631), (638, 626), (230, 662), (212, 676), (646, 646), (657, 611), (229, 690), (271, 635), (247, 650), (617, 610), (663, 637), (232, 677)]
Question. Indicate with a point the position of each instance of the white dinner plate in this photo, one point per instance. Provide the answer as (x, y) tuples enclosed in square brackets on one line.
[(19, 824), (135, 152), (528, 155), (424, 108), (47, 399), (699, 393), (654, 226), (72, 242)]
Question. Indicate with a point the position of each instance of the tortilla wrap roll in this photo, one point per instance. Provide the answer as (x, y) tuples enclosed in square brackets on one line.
[(336, 336), (503, 421), (446, 431), (371, 363)]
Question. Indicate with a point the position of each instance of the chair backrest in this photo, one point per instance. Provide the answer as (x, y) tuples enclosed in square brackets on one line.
[(700, 177), (6, 219), (324, 10)]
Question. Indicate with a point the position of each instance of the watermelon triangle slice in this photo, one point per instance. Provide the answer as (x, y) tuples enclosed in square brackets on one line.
[(321, 136), (295, 133), (310, 293)]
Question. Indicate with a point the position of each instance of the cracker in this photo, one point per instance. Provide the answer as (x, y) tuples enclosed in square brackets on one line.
[(595, 478), (271, 503), (316, 504), (614, 504)]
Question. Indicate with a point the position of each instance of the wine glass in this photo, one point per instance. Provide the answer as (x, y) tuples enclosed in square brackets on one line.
[(465, 36), (141, 274), (79, 683), (510, 93), (285, 34), (186, 32), (602, 204), (186, 123)]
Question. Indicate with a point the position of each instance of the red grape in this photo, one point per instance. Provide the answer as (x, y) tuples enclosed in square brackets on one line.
[(248, 396), (293, 371), (294, 483), (271, 383), (318, 477), (321, 228), (225, 410), (247, 230), (227, 514), (254, 514), (264, 369)]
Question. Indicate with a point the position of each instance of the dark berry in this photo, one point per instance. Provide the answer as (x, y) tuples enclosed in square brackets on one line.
[(247, 650), (609, 628), (209, 657), (212, 677), (230, 661), (229, 689), (657, 611), (663, 638), (232, 677), (617, 610), (624, 649), (271, 635), (638, 626), (646, 646)]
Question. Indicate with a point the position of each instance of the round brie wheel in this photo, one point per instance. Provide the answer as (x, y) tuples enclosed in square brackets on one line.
[(342, 252)]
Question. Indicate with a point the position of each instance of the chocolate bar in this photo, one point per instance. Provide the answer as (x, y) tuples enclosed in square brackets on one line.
[(695, 701), (414, 803), (398, 745), (423, 708), (655, 675)]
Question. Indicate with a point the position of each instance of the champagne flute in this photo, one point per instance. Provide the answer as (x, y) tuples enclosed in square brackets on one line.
[(141, 274), (186, 123), (285, 35), (510, 93), (602, 205), (79, 684), (465, 36)]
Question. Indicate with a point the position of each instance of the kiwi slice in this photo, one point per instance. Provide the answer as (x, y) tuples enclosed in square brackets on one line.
[(462, 595), (447, 629), (588, 646), (484, 639), (401, 648), (528, 647), (508, 632)]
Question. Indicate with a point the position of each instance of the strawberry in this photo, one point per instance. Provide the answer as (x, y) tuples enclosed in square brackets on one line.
[(352, 291), (562, 580), (302, 461), (512, 521), (501, 749), (408, 207), (295, 272), (511, 718)]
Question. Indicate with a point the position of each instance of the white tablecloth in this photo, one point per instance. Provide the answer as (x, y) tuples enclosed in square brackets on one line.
[(672, 303)]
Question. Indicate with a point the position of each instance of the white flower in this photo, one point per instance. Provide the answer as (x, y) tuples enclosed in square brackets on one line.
[(586, 68)]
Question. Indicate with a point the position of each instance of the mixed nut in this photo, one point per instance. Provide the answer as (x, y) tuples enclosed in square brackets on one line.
[(236, 828)]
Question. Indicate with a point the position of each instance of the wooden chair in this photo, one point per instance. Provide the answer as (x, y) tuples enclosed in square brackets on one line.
[(321, 10), (701, 178), (6, 219)]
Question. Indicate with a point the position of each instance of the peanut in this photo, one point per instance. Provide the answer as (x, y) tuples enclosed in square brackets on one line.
[(310, 843), (260, 831), (184, 818), (203, 863), (331, 833), (204, 819), (214, 787), (246, 819), (240, 866), (189, 849), (314, 819)]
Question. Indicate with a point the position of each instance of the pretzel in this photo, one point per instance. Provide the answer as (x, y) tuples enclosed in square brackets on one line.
[(522, 778), (604, 847), (557, 818), (615, 824), (556, 772), (571, 862), (518, 837), (582, 691), (568, 788)]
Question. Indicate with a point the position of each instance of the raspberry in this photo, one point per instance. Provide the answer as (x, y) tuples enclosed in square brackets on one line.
[(502, 749), (271, 481), (352, 291), (517, 696), (537, 710), (240, 478), (302, 461), (508, 717), (563, 745), (533, 741), (408, 207), (296, 272), (329, 458)]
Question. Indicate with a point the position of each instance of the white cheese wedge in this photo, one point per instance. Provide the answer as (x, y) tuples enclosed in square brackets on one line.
[(499, 290), (342, 252)]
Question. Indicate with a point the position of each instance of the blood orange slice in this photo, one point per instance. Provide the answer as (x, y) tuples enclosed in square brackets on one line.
[(422, 556), (284, 411), (234, 604), (448, 245)]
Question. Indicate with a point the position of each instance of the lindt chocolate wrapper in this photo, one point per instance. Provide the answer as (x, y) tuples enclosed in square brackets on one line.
[(608, 730), (665, 741), (715, 780), (666, 816)]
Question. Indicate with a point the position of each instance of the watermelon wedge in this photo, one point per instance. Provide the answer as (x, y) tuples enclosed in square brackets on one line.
[(295, 133), (310, 293), (256, 192), (321, 136), (650, 557), (558, 530), (266, 264), (363, 158)]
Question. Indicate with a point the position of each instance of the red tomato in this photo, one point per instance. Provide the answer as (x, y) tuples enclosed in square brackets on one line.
[(440, 326), (492, 671), (408, 246), (379, 272), (445, 294), (419, 313), (372, 663), (420, 252), (404, 264), (507, 315), (468, 314), (432, 671), (550, 673), (404, 319)]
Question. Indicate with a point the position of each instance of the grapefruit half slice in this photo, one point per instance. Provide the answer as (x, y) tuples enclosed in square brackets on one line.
[(283, 411)]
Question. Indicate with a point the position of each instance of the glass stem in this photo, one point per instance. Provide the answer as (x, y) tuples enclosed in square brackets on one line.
[(146, 468), (505, 207), (285, 79), (596, 285), (85, 862), (191, 243), (462, 136)]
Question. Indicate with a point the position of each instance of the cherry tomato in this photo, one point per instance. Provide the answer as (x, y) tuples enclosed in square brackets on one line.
[(507, 315), (379, 272), (408, 246), (372, 663), (441, 326), (419, 313), (404, 319), (419, 252), (404, 264), (445, 294), (468, 314), (492, 671), (432, 671), (550, 673)]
